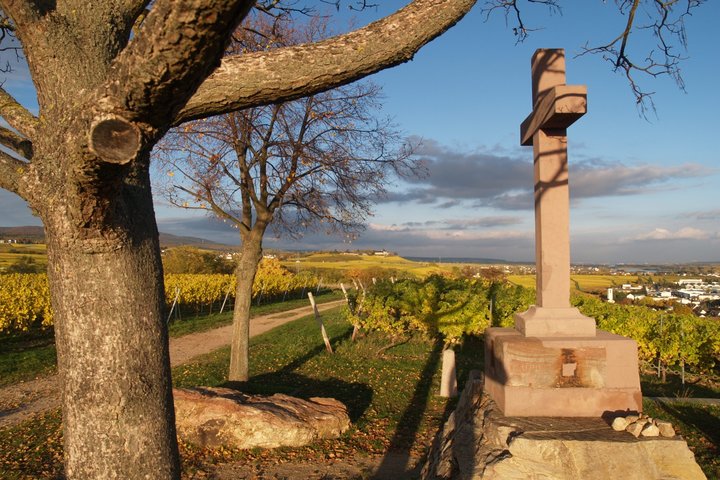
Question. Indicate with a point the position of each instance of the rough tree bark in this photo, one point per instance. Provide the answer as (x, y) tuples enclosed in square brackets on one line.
[(112, 348), (83, 166), (250, 256)]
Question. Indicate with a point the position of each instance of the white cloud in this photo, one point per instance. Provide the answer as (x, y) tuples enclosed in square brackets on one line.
[(685, 233)]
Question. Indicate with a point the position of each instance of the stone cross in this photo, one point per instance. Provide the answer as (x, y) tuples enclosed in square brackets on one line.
[(555, 107)]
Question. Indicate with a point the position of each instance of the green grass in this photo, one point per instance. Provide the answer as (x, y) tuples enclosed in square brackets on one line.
[(32, 449), (201, 323), (652, 386), (361, 262), (582, 282), (391, 398), (25, 357), (699, 425), (11, 253)]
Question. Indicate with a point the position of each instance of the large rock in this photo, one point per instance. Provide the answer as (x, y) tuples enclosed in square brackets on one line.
[(211, 417), (479, 442)]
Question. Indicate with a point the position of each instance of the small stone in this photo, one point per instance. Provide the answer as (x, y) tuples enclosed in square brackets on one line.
[(635, 428), (666, 428), (642, 421), (619, 424), (650, 430), (632, 419)]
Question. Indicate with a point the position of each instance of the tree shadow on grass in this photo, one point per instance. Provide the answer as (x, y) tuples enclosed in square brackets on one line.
[(469, 356), (651, 386), (697, 418), (355, 395), (397, 457)]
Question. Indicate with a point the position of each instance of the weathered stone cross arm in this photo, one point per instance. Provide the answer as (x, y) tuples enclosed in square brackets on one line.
[(558, 108)]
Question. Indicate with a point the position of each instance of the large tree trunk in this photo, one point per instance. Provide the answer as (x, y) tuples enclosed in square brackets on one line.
[(103, 103), (108, 299), (250, 256)]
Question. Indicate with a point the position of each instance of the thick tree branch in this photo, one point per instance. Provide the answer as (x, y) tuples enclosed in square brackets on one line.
[(179, 43), (12, 173), (16, 143), (17, 116), (22, 12), (287, 73)]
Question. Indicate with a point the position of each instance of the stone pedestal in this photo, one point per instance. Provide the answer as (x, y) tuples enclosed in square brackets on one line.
[(479, 442), (555, 363), (561, 376), (554, 322)]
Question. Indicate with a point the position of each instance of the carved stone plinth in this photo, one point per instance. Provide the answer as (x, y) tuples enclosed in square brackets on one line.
[(478, 442), (554, 322), (561, 376)]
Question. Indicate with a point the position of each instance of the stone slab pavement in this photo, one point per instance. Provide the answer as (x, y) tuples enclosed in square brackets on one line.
[(21, 401)]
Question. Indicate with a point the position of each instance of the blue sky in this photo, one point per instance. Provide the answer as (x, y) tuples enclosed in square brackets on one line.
[(642, 190)]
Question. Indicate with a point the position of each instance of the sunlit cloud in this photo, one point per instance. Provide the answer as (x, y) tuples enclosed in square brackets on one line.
[(686, 233)]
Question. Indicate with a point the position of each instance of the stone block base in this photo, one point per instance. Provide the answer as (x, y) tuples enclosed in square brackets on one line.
[(554, 322), (561, 376), (479, 442)]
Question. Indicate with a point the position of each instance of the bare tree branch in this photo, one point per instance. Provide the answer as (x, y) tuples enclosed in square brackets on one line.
[(17, 116), (510, 9), (8, 41), (666, 25), (315, 162), (22, 12), (12, 172), (288, 73), (15, 142)]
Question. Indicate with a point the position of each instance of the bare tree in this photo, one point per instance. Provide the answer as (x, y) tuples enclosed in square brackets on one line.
[(112, 76), (321, 161), (663, 19)]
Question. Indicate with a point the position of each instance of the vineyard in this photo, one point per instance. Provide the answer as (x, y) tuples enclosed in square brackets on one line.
[(25, 298), (452, 308), (436, 306)]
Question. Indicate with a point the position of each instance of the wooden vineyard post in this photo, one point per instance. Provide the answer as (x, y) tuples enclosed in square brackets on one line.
[(172, 309), (448, 381), (319, 321), (356, 328), (347, 299), (222, 307)]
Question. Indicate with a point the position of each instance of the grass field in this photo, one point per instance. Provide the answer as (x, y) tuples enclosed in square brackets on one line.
[(27, 356), (582, 282), (11, 253), (391, 399), (362, 262)]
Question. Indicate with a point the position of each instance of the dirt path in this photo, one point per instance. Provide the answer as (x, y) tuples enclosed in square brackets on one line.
[(21, 401)]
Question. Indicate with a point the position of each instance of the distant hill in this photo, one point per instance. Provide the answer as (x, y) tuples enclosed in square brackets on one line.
[(489, 261), (169, 240), (37, 235), (32, 234)]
